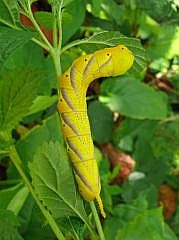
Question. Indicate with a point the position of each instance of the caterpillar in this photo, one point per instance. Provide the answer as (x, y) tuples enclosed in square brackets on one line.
[(73, 112)]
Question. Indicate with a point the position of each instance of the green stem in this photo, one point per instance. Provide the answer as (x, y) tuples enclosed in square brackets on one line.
[(170, 119), (56, 59), (78, 42), (97, 221), (31, 17), (9, 24), (59, 22), (55, 28), (55, 33), (41, 44), (17, 163)]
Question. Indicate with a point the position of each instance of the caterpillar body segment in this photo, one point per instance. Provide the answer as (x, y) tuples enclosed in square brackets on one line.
[(73, 111)]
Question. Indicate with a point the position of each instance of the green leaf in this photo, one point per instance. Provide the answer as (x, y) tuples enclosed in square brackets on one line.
[(159, 10), (125, 136), (164, 43), (17, 90), (9, 14), (33, 224), (165, 143), (132, 98), (72, 18), (149, 225), (110, 8), (7, 194), (122, 214), (49, 130), (41, 103), (101, 121), (45, 19), (31, 55), (54, 182), (8, 226), (112, 38), (15, 205), (10, 41)]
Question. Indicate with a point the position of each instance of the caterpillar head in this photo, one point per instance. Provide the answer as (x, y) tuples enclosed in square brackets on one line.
[(122, 59)]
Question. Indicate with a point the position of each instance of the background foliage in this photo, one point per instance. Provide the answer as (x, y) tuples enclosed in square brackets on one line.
[(134, 121)]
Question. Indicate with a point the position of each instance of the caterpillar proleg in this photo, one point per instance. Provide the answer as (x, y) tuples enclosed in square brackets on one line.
[(73, 111)]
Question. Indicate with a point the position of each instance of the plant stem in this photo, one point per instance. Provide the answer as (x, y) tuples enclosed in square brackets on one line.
[(170, 119), (55, 33), (56, 59), (31, 16), (17, 163), (59, 22), (41, 44), (78, 42), (97, 221)]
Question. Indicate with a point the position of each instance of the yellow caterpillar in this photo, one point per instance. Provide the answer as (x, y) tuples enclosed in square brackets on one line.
[(73, 111)]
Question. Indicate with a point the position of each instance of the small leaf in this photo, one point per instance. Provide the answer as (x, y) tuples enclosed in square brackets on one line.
[(54, 183), (17, 90), (15, 205), (133, 99), (72, 18), (41, 103), (45, 19), (10, 41), (7, 194)]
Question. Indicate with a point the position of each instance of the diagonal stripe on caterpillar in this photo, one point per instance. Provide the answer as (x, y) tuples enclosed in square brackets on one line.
[(73, 111)]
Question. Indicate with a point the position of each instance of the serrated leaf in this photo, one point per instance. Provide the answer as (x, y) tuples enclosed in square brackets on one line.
[(11, 40), (54, 182), (101, 121), (112, 38), (8, 226), (133, 99), (31, 56), (9, 12), (17, 90)]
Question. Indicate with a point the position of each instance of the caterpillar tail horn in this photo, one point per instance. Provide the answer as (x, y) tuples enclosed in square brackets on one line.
[(100, 204)]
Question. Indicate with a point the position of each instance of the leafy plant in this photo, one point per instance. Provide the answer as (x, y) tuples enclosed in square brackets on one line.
[(136, 112)]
